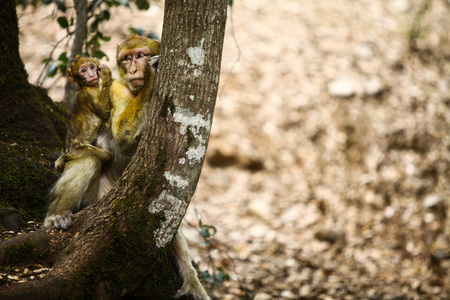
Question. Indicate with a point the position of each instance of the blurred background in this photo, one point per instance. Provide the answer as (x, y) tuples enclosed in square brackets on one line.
[(327, 172)]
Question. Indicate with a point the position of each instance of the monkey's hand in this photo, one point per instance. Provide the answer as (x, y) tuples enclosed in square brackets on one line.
[(62, 220), (105, 74), (194, 288), (103, 70), (59, 163), (153, 62)]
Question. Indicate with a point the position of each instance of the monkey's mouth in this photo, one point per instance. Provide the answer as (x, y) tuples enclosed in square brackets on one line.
[(93, 81), (137, 81)]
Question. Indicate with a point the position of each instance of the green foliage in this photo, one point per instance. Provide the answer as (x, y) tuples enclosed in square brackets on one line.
[(62, 21), (99, 12), (207, 231), (416, 30), (58, 65), (142, 4), (219, 276)]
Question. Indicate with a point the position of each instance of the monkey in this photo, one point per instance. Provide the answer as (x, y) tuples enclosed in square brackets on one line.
[(137, 58), (91, 109), (82, 159)]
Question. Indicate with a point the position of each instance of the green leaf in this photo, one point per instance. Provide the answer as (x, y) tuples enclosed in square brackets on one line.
[(62, 68), (61, 5), (125, 3), (205, 243), (62, 21), (204, 232), (230, 3), (207, 277), (52, 69), (221, 276), (134, 30), (63, 57), (100, 54), (142, 4), (106, 15)]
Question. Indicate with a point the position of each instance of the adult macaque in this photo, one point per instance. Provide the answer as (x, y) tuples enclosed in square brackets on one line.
[(81, 157), (136, 60)]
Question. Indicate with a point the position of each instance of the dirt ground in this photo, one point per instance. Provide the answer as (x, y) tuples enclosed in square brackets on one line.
[(327, 173)]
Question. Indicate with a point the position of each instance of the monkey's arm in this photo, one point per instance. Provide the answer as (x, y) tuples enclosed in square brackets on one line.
[(83, 132), (127, 116), (88, 150), (104, 106)]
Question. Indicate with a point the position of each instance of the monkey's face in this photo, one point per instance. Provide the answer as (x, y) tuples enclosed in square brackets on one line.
[(88, 74), (135, 61)]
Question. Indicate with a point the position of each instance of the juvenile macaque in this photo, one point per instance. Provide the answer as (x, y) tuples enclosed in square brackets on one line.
[(81, 157), (91, 110), (136, 61)]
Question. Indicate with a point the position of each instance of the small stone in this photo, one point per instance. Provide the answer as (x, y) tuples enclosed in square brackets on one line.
[(415, 284), (13, 277), (399, 6), (262, 296), (288, 295), (32, 278), (432, 200), (363, 52), (26, 271), (373, 86), (342, 88), (39, 271), (305, 290)]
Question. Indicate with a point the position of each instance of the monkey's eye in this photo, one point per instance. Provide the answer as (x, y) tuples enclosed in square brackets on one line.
[(126, 58), (141, 55), (83, 70), (92, 67)]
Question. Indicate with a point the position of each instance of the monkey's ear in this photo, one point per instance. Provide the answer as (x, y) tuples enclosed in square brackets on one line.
[(70, 76)]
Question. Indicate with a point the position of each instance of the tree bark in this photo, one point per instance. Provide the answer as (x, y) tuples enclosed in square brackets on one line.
[(118, 247), (80, 36), (13, 70)]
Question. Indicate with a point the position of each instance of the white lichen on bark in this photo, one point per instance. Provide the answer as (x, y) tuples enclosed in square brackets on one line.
[(196, 154), (171, 210), (175, 180), (197, 54), (195, 123)]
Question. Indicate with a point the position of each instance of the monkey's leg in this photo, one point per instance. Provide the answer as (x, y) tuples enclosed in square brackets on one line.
[(191, 285), (67, 193)]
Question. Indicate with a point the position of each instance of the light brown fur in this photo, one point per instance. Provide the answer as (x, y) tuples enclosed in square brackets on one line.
[(81, 159)]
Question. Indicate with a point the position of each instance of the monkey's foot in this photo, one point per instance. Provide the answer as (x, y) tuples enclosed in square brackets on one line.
[(62, 220), (194, 288)]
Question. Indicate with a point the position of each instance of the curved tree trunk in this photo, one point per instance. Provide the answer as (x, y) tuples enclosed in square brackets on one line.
[(80, 35), (119, 246)]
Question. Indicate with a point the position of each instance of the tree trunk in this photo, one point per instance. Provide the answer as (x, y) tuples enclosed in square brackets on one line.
[(32, 127), (13, 71), (80, 35), (118, 246)]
